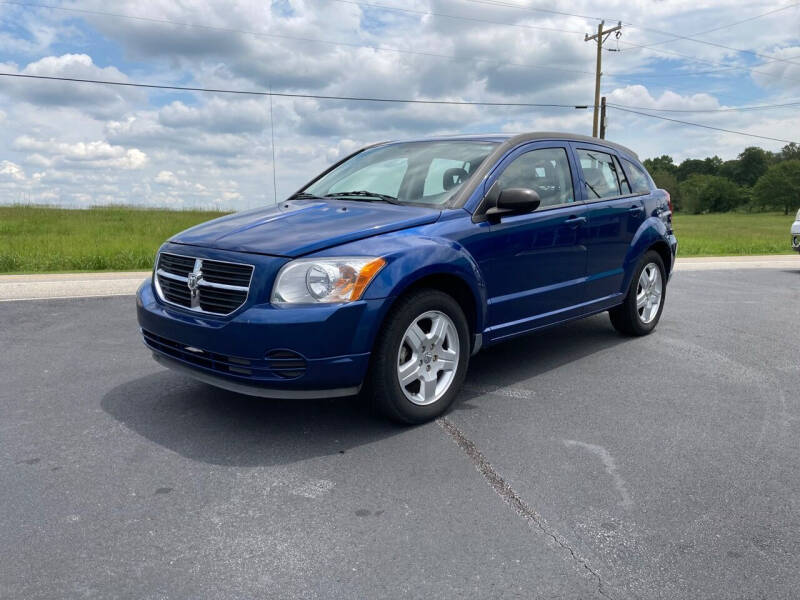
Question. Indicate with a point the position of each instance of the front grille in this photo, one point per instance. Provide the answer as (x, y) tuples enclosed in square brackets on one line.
[(209, 286), (279, 364)]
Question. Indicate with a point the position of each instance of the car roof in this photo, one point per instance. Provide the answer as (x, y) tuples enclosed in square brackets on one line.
[(513, 139)]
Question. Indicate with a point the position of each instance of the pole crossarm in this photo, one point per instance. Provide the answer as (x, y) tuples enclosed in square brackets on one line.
[(603, 32)]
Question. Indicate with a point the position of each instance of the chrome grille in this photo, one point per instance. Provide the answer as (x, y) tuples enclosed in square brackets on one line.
[(202, 285)]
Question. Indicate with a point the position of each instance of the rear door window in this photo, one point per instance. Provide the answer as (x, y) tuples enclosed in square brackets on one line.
[(602, 175)]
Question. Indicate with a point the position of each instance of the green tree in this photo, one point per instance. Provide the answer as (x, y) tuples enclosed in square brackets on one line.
[(713, 165), (790, 151), (667, 181), (661, 163), (779, 187), (753, 163), (710, 193), (729, 169), (695, 166)]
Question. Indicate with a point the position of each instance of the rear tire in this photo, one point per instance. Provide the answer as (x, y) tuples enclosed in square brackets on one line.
[(425, 343), (640, 312)]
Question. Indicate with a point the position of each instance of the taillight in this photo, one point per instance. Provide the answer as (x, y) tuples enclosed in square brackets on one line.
[(669, 200)]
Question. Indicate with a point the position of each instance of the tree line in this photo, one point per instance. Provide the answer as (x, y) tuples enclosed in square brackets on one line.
[(757, 180)]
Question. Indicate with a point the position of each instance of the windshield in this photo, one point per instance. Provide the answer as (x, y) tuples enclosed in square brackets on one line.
[(427, 173)]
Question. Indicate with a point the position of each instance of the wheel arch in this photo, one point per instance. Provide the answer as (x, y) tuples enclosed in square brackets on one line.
[(454, 285), (663, 250), (652, 235)]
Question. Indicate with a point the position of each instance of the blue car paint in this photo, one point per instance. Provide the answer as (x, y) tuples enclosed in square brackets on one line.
[(524, 273), (299, 227)]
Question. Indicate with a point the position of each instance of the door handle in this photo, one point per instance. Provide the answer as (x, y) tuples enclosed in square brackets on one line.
[(635, 210), (575, 221)]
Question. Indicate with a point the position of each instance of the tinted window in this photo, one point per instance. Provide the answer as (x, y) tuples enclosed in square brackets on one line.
[(603, 177), (382, 177), (546, 171), (444, 174), (624, 184), (638, 179), (413, 172)]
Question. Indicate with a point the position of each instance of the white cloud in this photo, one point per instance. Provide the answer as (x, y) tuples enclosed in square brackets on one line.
[(9, 170), (96, 100), (166, 177), (784, 73), (85, 142), (99, 154)]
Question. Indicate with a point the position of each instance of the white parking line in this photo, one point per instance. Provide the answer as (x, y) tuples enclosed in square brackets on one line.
[(53, 286), (83, 285), (66, 297), (710, 263)]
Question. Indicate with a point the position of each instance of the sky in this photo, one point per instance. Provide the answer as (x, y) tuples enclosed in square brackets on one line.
[(80, 144)]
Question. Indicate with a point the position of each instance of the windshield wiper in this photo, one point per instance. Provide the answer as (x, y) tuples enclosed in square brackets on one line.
[(364, 194), (302, 196)]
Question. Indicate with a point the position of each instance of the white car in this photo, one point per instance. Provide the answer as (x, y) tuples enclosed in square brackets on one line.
[(795, 233)]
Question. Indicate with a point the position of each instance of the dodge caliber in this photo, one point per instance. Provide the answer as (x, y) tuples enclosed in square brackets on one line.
[(387, 272)]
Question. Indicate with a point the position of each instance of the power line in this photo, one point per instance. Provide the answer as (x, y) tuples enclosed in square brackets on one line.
[(292, 95), (532, 9), (372, 99), (411, 11), (672, 36), (403, 51), (675, 75), (379, 48), (763, 137), (263, 34), (709, 62), (768, 57), (708, 110), (457, 17), (734, 23)]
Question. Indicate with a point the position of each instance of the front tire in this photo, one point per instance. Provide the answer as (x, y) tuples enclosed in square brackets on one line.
[(420, 358), (640, 312)]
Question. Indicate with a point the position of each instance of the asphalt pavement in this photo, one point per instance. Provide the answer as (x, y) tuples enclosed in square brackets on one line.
[(576, 464)]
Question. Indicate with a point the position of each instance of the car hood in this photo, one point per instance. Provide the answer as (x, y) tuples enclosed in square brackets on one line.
[(299, 227)]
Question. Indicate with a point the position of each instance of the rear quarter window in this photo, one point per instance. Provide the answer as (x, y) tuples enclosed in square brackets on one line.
[(638, 179)]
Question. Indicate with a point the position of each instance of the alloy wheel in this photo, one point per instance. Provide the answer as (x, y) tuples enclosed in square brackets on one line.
[(649, 292), (427, 359)]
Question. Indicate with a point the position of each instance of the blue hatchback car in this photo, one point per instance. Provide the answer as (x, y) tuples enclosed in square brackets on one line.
[(388, 271)]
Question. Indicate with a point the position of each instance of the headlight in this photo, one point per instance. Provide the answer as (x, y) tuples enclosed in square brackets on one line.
[(324, 280)]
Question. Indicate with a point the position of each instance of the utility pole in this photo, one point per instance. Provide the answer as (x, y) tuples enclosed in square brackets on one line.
[(603, 118), (601, 36)]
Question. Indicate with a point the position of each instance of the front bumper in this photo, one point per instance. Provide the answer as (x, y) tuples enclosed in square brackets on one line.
[(262, 350), (249, 388)]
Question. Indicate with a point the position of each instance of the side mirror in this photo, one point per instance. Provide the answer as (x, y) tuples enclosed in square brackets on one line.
[(514, 201)]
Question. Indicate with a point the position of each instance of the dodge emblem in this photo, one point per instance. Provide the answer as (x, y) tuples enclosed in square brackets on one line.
[(193, 281)]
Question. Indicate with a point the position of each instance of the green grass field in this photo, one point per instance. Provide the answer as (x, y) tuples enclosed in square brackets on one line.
[(730, 234), (40, 240)]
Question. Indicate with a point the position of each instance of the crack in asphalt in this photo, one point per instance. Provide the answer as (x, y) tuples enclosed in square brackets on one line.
[(510, 497)]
